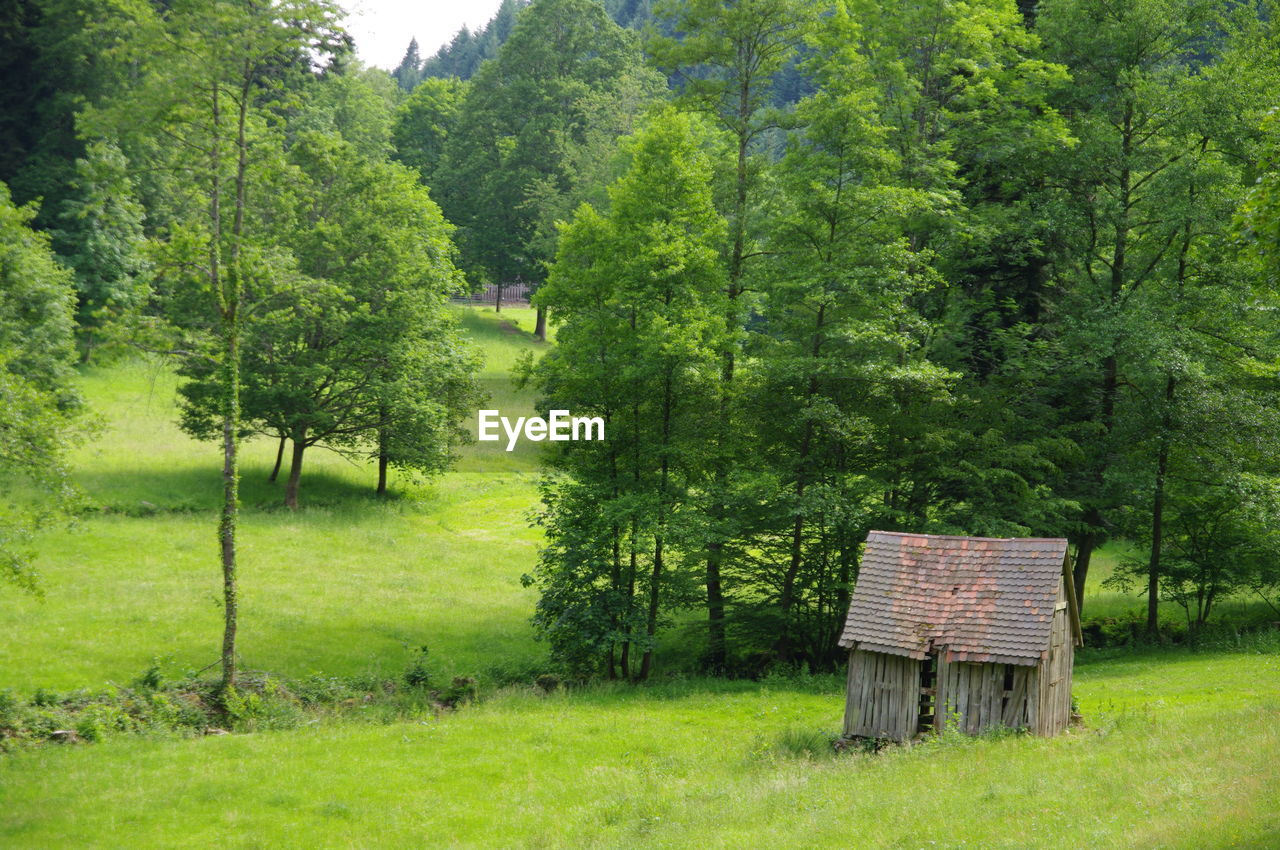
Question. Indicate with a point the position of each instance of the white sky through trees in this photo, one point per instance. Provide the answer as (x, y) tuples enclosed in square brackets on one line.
[(382, 28)]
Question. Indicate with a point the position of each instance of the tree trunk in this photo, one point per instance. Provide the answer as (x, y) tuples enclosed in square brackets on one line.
[(787, 597), (651, 622), (717, 653), (295, 470), (497, 298), (227, 290), (1084, 554), (230, 500), (632, 567), (717, 650), (1157, 511), (383, 456), (275, 470), (540, 325), (1110, 365)]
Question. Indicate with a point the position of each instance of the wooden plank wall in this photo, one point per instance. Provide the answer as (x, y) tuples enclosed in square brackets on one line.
[(1053, 703), (975, 699), (883, 696)]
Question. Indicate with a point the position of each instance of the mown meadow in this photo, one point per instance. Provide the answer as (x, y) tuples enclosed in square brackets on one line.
[(1178, 747)]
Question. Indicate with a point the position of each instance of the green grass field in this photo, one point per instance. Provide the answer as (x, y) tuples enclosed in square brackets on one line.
[(1180, 752), (1180, 748)]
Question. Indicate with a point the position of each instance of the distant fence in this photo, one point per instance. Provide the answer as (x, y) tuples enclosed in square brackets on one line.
[(515, 294)]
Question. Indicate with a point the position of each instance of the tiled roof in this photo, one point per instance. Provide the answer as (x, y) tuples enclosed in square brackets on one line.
[(982, 598)]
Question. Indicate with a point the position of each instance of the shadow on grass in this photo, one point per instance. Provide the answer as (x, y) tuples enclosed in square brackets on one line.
[(192, 489)]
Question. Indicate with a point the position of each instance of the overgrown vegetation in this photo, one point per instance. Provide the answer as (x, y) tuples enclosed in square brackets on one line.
[(151, 706)]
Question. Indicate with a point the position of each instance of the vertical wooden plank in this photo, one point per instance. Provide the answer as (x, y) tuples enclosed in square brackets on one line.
[(896, 709), (1033, 699), (987, 719), (942, 691), (1068, 662), (877, 698), (984, 716), (864, 693), (990, 696), (850, 702), (911, 690), (974, 713), (877, 723), (890, 721), (884, 721), (893, 717), (997, 694), (1058, 696), (855, 690), (979, 704), (877, 691)]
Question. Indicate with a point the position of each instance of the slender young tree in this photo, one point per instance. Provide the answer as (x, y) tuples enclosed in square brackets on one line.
[(724, 57), (207, 72), (409, 72), (639, 295), (838, 340), (1135, 219)]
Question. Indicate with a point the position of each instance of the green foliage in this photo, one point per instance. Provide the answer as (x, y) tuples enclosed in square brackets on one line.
[(1259, 222), (38, 400), (423, 123), (416, 674), (523, 115), (638, 297), (464, 54), (357, 350), (1218, 541), (408, 74), (356, 103), (101, 238), (835, 364), (57, 56)]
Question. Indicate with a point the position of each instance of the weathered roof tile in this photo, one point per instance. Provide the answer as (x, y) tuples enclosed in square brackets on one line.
[(983, 598)]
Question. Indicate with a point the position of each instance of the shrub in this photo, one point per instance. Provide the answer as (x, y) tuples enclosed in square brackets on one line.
[(805, 743), (462, 690), (416, 674), (99, 720)]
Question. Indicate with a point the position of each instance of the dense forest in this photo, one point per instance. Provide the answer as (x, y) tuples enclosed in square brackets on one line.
[(821, 267)]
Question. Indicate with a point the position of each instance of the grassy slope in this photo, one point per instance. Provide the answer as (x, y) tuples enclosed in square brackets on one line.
[(691, 764), (349, 584), (1181, 751)]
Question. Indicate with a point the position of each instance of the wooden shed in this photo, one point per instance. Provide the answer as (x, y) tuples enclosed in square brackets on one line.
[(976, 631)]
